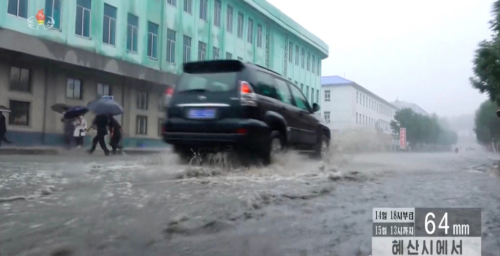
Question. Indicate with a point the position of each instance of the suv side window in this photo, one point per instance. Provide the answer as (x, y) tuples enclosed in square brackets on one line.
[(283, 91), (265, 85), (300, 100)]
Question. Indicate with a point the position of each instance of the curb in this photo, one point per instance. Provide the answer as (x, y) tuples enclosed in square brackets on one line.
[(54, 152)]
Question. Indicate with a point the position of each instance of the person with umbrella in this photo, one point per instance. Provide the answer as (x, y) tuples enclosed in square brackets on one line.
[(69, 128), (101, 123), (103, 108), (116, 132), (79, 123), (3, 125), (79, 133)]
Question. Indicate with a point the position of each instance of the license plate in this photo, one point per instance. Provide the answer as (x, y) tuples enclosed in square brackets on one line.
[(201, 113)]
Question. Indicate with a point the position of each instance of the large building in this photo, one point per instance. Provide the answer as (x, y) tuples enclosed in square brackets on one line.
[(134, 50), (347, 105)]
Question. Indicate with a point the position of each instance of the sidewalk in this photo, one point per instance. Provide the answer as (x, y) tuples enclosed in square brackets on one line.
[(45, 150)]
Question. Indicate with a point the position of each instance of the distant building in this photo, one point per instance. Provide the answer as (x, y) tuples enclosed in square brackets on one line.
[(403, 104), (346, 105)]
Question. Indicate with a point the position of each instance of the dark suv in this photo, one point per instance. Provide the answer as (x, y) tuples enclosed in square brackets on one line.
[(223, 104)]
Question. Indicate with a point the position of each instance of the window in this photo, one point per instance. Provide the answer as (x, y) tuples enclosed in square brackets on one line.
[(103, 90), (307, 91), (109, 25), (303, 60), (20, 114), (188, 6), (203, 9), (228, 56), (240, 58), (250, 31), (308, 61), (202, 50), (53, 10), (240, 25), (82, 20), (170, 46), (317, 96), (265, 85), (187, 49), (20, 79), (327, 95), (172, 2), (357, 96), (312, 94), (313, 65), (356, 117), (132, 28), (18, 8), (290, 52), (300, 100), (327, 116), (160, 126), (301, 87), (74, 88), (229, 19), (152, 40), (319, 67), (141, 125), (217, 8), (297, 55), (259, 36), (142, 100), (283, 91), (216, 53)]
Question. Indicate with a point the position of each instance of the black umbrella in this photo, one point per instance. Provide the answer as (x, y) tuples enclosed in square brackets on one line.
[(105, 107), (60, 107), (75, 112), (4, 109)]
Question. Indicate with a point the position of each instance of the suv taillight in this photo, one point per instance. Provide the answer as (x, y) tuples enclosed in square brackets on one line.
[(168, 96), (247, 95)]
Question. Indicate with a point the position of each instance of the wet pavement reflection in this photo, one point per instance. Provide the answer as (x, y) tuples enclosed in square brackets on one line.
[(153, 205)]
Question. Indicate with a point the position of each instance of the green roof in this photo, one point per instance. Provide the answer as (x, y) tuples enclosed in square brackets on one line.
[(289, 24)]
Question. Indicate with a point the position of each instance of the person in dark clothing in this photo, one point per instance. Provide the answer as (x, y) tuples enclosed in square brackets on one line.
[(101, 123), (116, 132), (3, 129)]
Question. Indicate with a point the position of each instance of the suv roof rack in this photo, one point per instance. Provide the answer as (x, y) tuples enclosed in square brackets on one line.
[(268, 69)]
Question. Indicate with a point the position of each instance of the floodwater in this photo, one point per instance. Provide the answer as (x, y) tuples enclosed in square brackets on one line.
[(153, 205)]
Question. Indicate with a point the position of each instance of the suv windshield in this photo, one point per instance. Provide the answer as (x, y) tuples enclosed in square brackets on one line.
[(207, 82)]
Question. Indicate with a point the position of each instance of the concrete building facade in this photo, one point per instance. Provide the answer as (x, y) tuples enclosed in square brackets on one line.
[(347, 105), (134, 50)]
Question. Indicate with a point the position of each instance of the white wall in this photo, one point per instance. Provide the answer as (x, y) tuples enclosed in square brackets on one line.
[(347, 102), (340, 106)]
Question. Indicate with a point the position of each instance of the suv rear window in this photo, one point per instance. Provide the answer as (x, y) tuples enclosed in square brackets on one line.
[(211, 76), (210, 82)]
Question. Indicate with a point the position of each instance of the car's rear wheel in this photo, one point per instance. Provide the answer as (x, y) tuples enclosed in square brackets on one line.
[(322, 147), (274, 145), (184, 153)]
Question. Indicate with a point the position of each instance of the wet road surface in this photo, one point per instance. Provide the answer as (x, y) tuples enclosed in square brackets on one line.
[(151, 205)]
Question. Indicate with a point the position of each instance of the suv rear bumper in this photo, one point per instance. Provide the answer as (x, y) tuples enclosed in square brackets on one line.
[(255, 132)]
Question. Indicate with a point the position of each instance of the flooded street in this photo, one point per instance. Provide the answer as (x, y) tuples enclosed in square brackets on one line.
[(152, 205)]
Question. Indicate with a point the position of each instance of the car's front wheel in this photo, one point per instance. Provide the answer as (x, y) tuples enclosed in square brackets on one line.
[(322, 147)]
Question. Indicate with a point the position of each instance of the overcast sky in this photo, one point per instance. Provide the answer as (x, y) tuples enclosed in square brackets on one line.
[(417, 51)]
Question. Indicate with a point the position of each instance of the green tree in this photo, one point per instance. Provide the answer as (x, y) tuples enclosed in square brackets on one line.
[(487, 61), (487, 124), (422, 128)]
